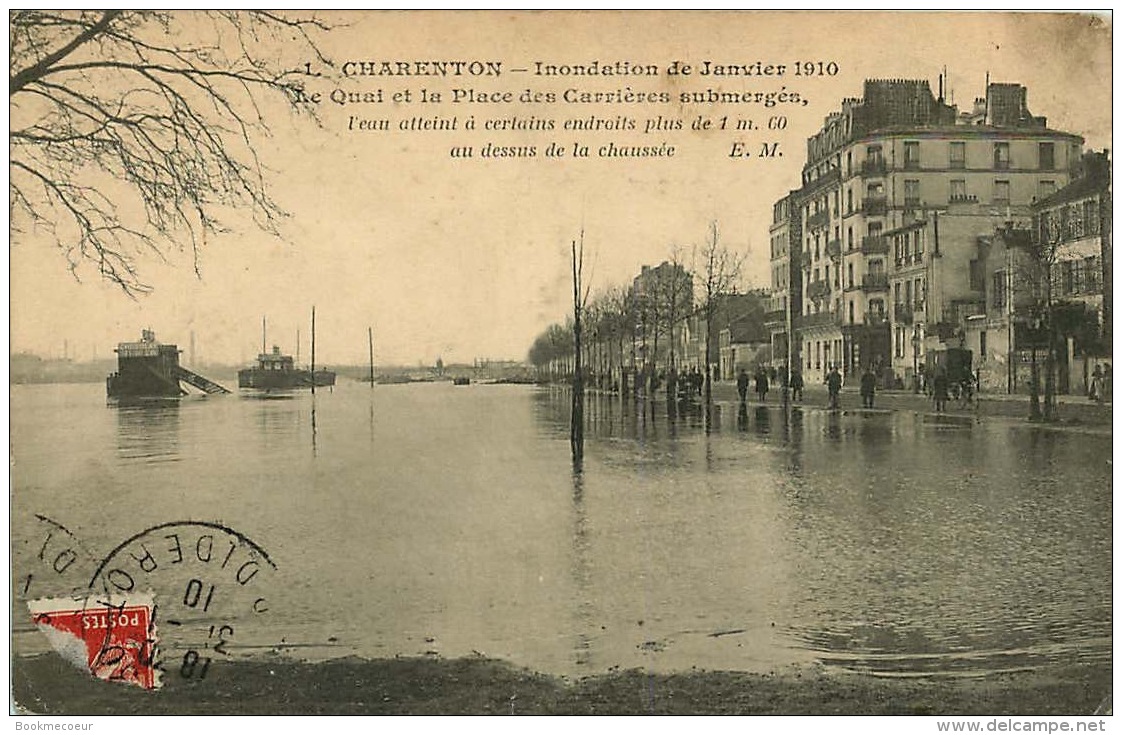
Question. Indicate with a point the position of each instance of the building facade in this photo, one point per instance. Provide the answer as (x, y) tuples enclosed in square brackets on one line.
[(877, 175), (1054, 266), (785, 304)]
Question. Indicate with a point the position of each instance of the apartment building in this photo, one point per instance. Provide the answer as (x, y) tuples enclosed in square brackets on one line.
[(785, 304), (877, 176)]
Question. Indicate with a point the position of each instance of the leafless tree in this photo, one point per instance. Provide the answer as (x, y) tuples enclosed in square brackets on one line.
[(673, 294), (580, 304), (719, 271), (131, 132)]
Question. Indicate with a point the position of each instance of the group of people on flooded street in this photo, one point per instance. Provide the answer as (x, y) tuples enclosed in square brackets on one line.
[(941, 389), (764, 378)]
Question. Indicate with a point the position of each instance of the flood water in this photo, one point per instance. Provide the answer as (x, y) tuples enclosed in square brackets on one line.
[(429, 519)]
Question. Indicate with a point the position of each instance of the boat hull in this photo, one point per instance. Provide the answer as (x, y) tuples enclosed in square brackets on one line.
[(258, 379)]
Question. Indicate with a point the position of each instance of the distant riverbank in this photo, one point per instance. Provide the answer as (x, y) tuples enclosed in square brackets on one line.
[(479, 685)]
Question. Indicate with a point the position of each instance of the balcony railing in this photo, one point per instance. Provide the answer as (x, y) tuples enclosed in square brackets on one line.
[(874, 206), (875, 282), (874, 245), (873, 167), (833, 176), (964, 198), (834, 249), (821, 319), (910, 259), (818, 219), (818, 289)]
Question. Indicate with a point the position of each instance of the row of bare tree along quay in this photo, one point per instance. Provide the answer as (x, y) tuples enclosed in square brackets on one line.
[(649, 334)]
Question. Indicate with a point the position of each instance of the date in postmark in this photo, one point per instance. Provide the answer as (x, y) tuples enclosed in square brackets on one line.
[(201, 583)]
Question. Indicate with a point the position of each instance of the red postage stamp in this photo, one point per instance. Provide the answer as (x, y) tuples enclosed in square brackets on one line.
[(113, 640)]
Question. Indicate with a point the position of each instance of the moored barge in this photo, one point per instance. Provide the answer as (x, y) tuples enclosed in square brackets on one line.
[(148, 369)]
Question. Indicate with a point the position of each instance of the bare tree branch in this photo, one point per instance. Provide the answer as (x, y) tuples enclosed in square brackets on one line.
[(124, 144)]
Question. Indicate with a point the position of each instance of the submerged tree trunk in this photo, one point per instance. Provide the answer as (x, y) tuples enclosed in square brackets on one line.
[(576, 421)]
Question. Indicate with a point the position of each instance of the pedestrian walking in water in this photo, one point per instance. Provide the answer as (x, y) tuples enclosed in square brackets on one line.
[(833, 386), (940, 391), (742, 385), (868, 388), (1095, 390), (796, 385), (761, 385)]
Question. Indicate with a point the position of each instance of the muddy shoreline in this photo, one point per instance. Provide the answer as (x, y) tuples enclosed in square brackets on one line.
[(477, 686)]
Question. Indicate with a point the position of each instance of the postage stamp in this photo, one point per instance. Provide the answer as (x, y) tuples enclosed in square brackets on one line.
[(115, 641), (202, 583)]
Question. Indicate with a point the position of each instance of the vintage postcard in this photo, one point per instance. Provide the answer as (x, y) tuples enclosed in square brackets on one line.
[(557, 362)]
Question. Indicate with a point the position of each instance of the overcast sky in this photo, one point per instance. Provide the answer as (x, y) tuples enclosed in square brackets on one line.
[(466, 259)]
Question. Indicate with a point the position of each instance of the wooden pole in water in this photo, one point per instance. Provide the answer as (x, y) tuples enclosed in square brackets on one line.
[(313, 350), (370, 335), (263, 348)]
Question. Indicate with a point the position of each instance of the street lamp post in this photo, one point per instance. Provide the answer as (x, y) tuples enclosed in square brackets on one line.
[(915, 358), (1034, 397)]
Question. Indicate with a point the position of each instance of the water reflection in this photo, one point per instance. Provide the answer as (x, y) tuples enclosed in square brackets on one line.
[(868, 540), (581, 573), (147, 430), (908, 543)]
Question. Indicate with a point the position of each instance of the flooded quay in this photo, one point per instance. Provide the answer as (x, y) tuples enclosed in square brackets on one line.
[(449, 522)]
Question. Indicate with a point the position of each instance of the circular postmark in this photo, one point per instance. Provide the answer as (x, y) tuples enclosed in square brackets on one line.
[(165, 605)]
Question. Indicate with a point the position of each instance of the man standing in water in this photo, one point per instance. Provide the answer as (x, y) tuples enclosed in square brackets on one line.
[(941, 391), (833, 386), (868, 387), (796, 385), (742, 385), (762, 384)]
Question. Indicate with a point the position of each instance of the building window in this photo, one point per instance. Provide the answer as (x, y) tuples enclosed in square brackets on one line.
[(850, 233), (898, 301), (958, 155), (1047, 156), (1091, 217), (850, 275), (1001, 160), (911, 193), (851, 312), (849, 201), (919, 245), (998, 297), (911, 154), (1001, 193), (982, 346), (1045, 189), (977, 275), (958, 190)]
